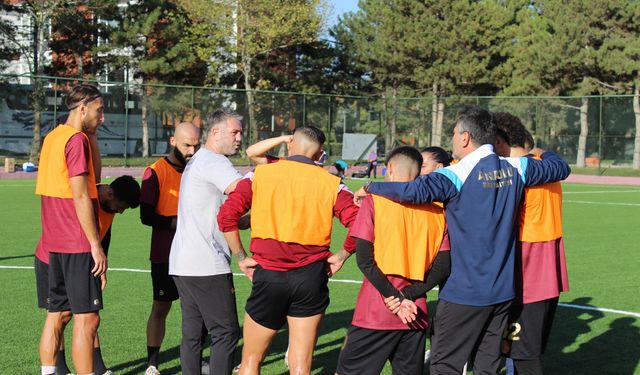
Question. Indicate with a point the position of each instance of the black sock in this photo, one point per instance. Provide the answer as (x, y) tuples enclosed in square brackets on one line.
[(98, 364), (152, 355), (61, 364)]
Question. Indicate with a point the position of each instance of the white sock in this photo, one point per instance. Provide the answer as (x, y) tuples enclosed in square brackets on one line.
[(48, 370)]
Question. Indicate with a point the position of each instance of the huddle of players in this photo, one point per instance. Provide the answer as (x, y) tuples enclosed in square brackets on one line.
[(292, 203)]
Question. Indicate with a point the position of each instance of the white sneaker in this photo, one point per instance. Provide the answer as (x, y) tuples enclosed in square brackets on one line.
[(109, 372), (152, 370), (236, 369), (204, 370), (427, 356)]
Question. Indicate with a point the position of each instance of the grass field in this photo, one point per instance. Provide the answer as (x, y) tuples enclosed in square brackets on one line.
[(597, 327)]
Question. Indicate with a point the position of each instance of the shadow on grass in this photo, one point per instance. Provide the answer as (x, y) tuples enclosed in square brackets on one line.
[(17, 257), (615, 351), (138, 366)]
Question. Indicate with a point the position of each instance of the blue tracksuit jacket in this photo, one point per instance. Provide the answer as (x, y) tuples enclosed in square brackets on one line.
[(482, 195)]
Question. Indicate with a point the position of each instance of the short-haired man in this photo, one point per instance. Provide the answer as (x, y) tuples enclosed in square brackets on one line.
[(120, 194), (396, 247), (159, 210), (482, 194), (541, 270), (200, 262), (66, 183), (293, 202)]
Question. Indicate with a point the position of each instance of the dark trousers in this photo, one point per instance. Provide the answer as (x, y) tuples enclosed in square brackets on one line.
[(461, 332), (210, 300), (372, 168)]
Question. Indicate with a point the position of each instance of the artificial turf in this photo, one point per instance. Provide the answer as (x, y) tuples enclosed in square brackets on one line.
[(601, 241)]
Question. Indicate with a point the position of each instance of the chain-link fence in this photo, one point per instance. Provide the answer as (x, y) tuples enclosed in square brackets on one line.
[(555, 122)]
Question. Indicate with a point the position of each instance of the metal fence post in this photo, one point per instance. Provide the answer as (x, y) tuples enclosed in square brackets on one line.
[(126, 115), (55, 102), (600, 136), (329, 127), (304, 109)]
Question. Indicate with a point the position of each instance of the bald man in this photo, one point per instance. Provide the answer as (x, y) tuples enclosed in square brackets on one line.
[(293, 202), (159, 210)]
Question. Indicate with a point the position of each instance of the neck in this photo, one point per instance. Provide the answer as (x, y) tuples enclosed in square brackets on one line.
[(517, 152), (103, 193), (74, 120)]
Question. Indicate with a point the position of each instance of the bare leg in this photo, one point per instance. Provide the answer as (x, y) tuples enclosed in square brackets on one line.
[(303, 334), (257, 339), (84, 333), (52, 336), (156, 325)]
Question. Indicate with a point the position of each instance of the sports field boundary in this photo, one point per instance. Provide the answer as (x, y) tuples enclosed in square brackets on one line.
[(358, 282), (112, 172)]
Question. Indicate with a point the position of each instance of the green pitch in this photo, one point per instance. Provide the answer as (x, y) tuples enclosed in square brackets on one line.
[(601, 238)]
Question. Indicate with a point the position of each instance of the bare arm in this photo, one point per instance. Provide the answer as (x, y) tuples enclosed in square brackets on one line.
[(84, 210), (246, 263), (257, 152)]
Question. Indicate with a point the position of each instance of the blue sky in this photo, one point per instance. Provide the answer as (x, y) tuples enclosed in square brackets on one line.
[(341, 6)]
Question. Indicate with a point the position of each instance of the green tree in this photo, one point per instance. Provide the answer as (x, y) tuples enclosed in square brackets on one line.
[(161, 50), (245, 32), (78, 33), (619, 58), (39, 14), (379, 43), (558, 55)]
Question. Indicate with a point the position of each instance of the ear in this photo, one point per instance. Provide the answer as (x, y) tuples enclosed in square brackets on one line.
[(172, 141), (390, 168), (465, 138)]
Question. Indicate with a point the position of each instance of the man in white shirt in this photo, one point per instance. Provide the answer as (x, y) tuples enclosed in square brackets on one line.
[(200, 259)]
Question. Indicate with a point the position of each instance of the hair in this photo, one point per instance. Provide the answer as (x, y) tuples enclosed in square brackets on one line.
[(126, 189), (478, 122), (82, 93), (219, 116), (439, 155), (516, 133), (312, 133), (408, 152), (529, 139)]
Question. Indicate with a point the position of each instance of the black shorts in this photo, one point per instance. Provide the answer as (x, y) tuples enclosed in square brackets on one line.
[(42, 282), (301, 292), (365, 351), (529, 328), (164, 288), (71, 284)]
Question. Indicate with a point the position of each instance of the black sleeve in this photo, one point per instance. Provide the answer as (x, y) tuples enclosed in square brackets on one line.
[(149, 217), (367, 264), (106, 241), (438, 273)]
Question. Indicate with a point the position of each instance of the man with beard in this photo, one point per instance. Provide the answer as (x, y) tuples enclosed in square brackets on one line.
[(70, 238), (200, 261), (159, 210)]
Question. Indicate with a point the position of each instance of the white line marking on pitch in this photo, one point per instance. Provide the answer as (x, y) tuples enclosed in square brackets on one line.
[(606, 203), (579, 307), (601, 192)]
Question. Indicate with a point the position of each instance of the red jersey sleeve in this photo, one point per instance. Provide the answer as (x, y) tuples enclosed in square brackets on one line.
[(346, 211), (150, 189), (364, 223), (77, 154), (237, 204), (445, 246)]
